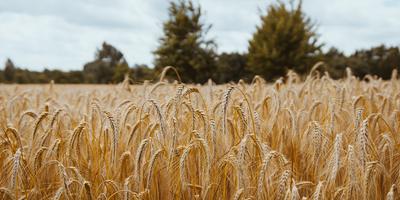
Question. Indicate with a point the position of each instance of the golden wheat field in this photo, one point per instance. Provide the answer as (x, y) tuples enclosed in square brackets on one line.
[(309, 138)]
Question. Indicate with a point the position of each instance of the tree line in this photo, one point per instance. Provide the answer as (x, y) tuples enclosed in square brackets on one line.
[(285, 40)]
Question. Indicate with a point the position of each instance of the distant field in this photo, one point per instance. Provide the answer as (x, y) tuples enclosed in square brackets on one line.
[(318, 138)]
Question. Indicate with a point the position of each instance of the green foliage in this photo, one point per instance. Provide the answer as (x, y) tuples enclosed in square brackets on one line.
[(63, 77), (140, 73), (335, 63), (231, 67), (380, 61), (119, 72), (18, 75), (2, 77), (285, 40), (184, 45), (9, 71), (109, 66)]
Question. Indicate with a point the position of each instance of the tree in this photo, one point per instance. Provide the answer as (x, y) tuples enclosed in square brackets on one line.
[(119, 72), (141, 72), (380, 60), (109, 65), (9, 71), (230, 67), (285, 40), (184, 45), (335, 63), (59, 76)]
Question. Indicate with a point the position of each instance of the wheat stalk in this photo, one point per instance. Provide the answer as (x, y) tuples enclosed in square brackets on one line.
[(88, 190), (362, 140), (15, 168), (115, 135), (282, 184), (151, 167), (182, 165), (318, 190), (138, 158), (390, 194), (227, 95), (336, 157)]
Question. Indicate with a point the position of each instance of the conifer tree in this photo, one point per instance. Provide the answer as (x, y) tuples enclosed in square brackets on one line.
[(285, 40), (184, 45)]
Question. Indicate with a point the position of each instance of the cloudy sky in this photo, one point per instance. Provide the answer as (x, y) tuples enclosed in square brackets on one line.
[(64, 34)]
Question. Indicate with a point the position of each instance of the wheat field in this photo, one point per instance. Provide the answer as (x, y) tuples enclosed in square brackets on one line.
[(297, 138)]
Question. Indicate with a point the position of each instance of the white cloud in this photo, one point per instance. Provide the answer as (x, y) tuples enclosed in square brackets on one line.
[(64, 34), (356, 24)]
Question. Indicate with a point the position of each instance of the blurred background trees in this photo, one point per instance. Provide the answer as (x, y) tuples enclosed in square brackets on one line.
[(378, 60), (184, 45), (285, 39), (9, 71), (142, 72), (109, 66), (231, 67)]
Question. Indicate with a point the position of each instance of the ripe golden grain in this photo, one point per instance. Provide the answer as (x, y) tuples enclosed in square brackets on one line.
[(299, 138)]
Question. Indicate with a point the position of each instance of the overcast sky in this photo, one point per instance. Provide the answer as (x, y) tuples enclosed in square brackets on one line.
[(64, 34)]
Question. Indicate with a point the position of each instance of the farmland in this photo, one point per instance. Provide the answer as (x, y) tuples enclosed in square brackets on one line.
[(311, 137)]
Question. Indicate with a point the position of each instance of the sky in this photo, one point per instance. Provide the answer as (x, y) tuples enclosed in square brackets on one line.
[(64, 34)]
